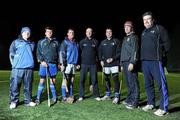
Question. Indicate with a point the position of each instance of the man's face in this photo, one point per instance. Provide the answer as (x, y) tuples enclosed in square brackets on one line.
[(108, 33), (70, 34), (26, 35), (48, 33), (148, 21), (128, 29), (89, 32)]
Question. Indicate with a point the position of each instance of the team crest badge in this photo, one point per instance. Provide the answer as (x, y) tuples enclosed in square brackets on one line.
[(153, 31), (54, 45), (45, 44)]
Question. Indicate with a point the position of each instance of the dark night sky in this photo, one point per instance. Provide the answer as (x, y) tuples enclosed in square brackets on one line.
[(99, 16)]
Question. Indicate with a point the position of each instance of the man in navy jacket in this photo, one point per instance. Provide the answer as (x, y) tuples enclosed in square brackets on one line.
[(154, 47)]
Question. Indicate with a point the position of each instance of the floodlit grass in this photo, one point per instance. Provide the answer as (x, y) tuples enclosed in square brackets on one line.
[(89, 109)]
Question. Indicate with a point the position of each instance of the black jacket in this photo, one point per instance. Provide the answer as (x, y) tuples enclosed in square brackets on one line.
[(89, 50), (154, 43), (129, 50), (110, 49), (48, 50)]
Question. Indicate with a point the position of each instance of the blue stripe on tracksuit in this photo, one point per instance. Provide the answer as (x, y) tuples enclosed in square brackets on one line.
[(164, 88), (153, 70)]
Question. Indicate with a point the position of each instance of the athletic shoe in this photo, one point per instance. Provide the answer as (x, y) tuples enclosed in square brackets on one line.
[(37, 101), (13, 105), (54, 101), (80, 99), (160, 112), (31, 104), (148, 107), (64, 100), (106, 98), (70, 99), (116, 100), (98, 98), (91, 88), (128, 106), (124, 103)]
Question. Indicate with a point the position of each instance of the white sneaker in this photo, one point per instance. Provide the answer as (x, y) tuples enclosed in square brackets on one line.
[(98, 98), (124, 103), (160, 112), (148, 107), (80, 99), (31, 104), (106, 98), (129, 106), (12, 105), (116, 100)]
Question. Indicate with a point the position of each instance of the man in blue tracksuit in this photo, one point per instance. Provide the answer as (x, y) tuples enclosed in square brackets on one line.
[(89, 49), (21, 58), (154, 47), (48, 51), (69, 61), (129, 57)]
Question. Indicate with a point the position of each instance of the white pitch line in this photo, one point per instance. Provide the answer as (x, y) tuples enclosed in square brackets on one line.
[(3, 81)]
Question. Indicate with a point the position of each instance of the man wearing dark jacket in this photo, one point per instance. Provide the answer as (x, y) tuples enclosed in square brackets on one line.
[(48, 52), (109, 55), (89, 49), (154, 46), (129, 57)]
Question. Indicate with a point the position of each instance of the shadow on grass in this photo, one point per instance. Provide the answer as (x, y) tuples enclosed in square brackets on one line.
[(175, 109), (142, 103), (21, 103)]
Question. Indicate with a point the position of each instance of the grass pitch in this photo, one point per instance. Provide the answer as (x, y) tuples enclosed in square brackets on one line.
[(88, 109)]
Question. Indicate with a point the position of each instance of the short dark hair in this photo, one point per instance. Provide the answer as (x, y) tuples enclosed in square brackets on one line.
[(49, 28), (109, 28), (148, 13), (72, 29)]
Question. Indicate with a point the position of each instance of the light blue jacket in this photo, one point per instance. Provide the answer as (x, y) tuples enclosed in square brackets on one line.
[(21, 53)]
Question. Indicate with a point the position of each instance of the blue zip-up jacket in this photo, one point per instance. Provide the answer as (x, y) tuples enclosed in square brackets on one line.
[(21, 53), (48, 50), (69, 52), (154, 43)]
